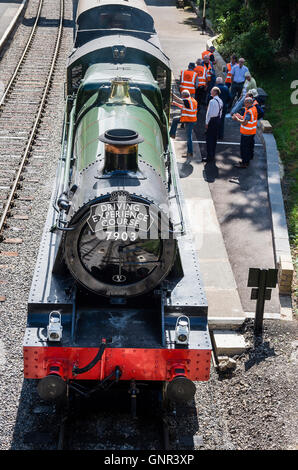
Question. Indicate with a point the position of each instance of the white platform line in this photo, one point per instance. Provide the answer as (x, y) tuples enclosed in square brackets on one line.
[(222, 143)]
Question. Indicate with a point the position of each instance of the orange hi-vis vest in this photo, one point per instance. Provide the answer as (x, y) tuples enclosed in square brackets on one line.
[(251, 127), (201, 71), (189, 114), (208, 72), (188, 80), (206, 53), (229, 74)]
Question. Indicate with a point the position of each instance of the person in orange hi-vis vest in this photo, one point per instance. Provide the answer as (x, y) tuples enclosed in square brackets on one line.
[(229, 66), (210, 76), (188, 106), (189, 79), (200, 95), (248, 129), (209, 53), (208, 67)]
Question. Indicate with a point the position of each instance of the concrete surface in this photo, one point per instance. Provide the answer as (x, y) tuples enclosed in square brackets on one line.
[(229, 343), (219, 283), (283, 258), (265, 126), (179, 33), (8, 11)]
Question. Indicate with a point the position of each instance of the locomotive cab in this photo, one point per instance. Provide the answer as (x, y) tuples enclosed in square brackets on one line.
[(96, 19), (96, 86)]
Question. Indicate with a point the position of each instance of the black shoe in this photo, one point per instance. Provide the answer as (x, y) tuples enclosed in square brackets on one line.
[(204, 159)]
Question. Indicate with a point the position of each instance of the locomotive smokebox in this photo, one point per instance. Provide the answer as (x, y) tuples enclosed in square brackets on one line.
[(121, 150)]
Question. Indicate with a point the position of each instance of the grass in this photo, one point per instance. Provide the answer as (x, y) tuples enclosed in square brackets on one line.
[(283, 116)]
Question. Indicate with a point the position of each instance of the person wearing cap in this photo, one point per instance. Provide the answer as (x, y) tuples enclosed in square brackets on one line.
[(238, 79), (212, 124), (200, 95), (189, 79), (225, 98), (188, 106), (248, 129), (208, 67), (210, 74), (209, 53)]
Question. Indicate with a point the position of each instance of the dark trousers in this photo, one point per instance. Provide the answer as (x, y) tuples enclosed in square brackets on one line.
[(221, 129), (208, 94), (247, 144), (236, 90), (211, 138), (200, 96)]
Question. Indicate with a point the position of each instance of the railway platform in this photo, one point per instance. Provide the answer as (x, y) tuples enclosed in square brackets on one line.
[(228, 207), (9, 13)]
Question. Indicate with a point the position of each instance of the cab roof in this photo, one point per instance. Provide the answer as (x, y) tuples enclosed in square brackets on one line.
[(85, 5)]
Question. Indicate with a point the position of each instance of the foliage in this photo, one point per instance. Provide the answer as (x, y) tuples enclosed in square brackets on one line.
[(282, 114), (247, 28), (254, 45)]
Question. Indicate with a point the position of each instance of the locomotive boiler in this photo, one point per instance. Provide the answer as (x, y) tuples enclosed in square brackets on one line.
[(117, 294), (114, 245)]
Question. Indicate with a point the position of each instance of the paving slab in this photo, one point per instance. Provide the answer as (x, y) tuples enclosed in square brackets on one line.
[(8, 11), (229, 343)]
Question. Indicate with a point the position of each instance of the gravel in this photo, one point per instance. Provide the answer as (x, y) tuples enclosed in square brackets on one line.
[(16, 395), (255, 406)]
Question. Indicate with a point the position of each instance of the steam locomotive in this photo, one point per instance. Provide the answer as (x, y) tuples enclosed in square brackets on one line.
[(117, 295)]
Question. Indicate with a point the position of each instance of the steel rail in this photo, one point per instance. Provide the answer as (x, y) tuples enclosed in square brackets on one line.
[(16, 182), (67, 417), (21, 60)]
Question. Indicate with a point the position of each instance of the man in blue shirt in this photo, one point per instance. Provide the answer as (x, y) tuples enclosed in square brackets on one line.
[(238, 78)]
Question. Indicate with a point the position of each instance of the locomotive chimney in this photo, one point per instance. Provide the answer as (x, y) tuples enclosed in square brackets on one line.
[(121, 150)]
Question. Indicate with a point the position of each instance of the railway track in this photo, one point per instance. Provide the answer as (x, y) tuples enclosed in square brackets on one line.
[(105, 423), (22, 107)]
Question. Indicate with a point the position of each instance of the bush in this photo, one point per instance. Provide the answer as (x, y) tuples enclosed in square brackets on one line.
[(254, 45)]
